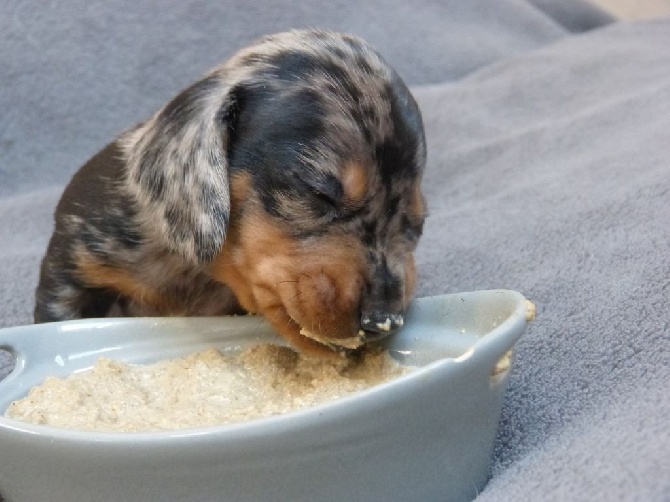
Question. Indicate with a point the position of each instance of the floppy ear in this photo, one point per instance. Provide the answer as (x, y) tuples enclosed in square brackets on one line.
[(177, 169)]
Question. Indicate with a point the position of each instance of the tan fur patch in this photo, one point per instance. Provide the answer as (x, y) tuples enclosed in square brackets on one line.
[(418, 203), (105, 276), (355, 183), (410, 280), (240, 183)]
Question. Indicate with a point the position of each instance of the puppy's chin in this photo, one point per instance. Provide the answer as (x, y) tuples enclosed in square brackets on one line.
[(313, 325), (311, 311), (350, 343), (302, 339)]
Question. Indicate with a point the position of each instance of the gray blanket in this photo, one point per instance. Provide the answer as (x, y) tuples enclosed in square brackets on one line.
[(549, 173)]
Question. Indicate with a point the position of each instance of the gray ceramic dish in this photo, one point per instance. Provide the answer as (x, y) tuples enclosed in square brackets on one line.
[(425, 436)]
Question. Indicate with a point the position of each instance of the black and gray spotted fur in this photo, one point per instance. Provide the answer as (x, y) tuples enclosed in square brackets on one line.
[(288, 110)]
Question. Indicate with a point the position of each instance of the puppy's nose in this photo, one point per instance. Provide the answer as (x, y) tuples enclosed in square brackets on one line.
[(378, 324)]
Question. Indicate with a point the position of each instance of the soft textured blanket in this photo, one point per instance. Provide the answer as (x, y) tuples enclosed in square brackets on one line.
[(549, 173)]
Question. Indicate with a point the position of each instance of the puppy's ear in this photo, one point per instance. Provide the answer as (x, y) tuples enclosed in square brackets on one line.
[(177, 169)]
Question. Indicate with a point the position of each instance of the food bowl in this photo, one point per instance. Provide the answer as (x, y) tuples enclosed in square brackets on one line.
[(427, 435)]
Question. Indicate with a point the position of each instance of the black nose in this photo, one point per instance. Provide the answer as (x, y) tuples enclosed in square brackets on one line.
[(378, 324)]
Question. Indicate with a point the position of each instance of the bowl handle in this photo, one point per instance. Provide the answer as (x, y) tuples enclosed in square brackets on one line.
[(18, 344), (493, 350)]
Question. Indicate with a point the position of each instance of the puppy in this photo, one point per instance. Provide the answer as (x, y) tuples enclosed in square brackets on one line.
[(286, 182)]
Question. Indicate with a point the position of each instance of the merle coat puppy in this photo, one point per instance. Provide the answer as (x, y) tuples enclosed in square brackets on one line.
[(286, 182)]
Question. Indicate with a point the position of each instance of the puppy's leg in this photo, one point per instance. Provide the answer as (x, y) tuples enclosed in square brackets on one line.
[(92, 218), (61, 295)]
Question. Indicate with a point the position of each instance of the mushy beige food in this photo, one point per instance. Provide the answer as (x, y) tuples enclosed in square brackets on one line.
[(352, 342), (205, 388)]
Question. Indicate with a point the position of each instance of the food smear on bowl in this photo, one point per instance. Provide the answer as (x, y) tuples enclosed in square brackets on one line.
[(202, 389)]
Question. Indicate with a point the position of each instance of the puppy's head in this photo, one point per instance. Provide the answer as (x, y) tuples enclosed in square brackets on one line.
[(309, 203)]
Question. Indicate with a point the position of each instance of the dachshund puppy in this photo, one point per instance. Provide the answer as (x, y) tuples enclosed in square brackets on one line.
[(286, 182)]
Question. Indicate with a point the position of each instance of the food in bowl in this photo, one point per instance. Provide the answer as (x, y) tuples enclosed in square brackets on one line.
[(206, 388)]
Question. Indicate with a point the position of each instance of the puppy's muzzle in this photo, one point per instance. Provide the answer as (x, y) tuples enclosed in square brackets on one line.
[(377, 324)]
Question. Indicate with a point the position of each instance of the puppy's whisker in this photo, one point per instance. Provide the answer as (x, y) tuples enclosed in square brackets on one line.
[(277, 311), (294, 296)]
